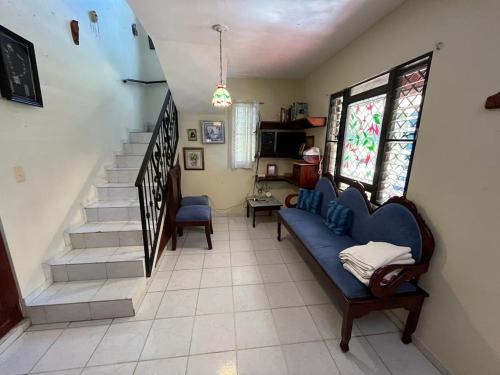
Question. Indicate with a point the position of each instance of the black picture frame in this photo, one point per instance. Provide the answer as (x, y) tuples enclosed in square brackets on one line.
[(17, 55)]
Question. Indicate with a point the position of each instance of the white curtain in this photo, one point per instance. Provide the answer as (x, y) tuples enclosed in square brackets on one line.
[(245, 119)]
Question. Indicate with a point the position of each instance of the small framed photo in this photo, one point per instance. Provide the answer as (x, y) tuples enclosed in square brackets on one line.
[(192, 134), (194, 159), (212, 132), (271, 170), (19, 80)]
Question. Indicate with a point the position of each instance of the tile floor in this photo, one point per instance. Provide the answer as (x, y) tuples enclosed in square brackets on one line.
[(250, 306)]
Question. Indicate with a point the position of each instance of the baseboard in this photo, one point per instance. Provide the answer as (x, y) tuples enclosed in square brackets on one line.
[(14, 334), (419, 344)]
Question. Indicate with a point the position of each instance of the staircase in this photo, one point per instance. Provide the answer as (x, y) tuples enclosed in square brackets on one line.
[(103, 275)]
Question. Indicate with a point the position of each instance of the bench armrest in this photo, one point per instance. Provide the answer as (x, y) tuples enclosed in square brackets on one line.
[(382, 289), (288, 200)]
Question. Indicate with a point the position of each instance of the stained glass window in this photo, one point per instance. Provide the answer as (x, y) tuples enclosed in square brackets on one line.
[(366, 146), (361, 139)]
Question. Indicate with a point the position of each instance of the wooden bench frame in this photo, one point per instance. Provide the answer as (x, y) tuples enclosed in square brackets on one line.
[(384, 296)]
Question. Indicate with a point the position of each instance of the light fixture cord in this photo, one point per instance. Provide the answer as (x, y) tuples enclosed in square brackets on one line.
[(220, 55)]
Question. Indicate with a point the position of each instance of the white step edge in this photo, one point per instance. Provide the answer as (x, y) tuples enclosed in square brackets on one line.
[(87, 300), (106, 234)]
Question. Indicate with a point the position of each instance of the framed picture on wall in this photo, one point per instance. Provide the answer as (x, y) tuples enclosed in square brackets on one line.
[(194, 159), (19, 80), (192, 134), (271, 170), (212, 132)]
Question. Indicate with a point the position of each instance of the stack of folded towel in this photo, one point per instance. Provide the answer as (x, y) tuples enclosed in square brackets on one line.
[(363, 260)]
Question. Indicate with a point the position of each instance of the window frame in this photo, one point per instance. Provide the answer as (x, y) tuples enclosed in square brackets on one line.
[(389, 89)]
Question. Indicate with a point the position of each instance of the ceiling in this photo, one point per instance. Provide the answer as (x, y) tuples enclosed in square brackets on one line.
[(266, 38)]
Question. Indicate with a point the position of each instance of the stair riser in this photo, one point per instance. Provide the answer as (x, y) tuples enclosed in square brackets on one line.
[(106, 239), (135, 148), (117, 193), (97, 271), (129, 161), (95, 215), (116, 176), (139, 137)]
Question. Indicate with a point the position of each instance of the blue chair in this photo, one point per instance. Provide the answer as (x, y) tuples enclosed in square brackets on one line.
[(194, 200)]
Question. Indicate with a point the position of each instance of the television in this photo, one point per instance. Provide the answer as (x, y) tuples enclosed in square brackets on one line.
[(288, 144)]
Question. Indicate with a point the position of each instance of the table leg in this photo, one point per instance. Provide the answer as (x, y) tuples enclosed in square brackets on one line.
[(248, 209), (254, 217)]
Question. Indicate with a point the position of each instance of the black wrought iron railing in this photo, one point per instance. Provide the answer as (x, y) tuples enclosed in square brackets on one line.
[(152, 178)]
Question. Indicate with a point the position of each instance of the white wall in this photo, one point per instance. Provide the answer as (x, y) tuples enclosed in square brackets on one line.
[(226, 187), (455, 178), (87, 110)]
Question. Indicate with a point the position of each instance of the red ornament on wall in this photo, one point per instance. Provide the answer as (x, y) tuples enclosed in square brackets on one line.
[(493, 102)]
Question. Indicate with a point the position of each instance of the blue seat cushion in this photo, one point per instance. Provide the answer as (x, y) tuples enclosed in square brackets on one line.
[(195, 200), (328, 257), (193, 213)]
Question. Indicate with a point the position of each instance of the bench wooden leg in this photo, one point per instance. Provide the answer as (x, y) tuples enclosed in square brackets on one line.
[(211, 225), (412, 320), (347, 320), (279, 230), (174, 237), (209, 240), (180, 231)]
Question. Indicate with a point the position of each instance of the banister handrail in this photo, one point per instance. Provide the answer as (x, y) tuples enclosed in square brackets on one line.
[(141, 81), (151, 180)]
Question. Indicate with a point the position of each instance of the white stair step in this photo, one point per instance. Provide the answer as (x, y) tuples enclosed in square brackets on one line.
[(139, 137), (117, 191), (129, 160), (113, 211), (115, 174), (99, 263), (135, 148), (87, 300), (106, 234)]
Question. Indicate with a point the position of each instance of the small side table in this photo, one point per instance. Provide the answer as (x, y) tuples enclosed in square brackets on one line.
[(262, 204)]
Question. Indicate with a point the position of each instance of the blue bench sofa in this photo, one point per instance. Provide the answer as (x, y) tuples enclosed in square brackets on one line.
[(396, 222)]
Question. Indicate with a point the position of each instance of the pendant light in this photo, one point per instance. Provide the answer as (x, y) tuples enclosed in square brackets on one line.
[(221, 97)]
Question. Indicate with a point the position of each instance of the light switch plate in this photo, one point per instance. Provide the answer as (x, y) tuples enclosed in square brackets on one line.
[(19, 172)]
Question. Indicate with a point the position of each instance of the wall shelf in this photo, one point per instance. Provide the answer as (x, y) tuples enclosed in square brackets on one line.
[(303, 123)]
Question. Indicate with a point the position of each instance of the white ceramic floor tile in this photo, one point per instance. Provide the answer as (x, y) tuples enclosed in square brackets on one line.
[(240, 245), (117, 369), (177, 303), (169, 366), (255, 329), (213, 333), (400, 358), (147, 310), (168, 263), (359, 360), (294, 325), (300, 271), (215, 301), (190, 262), (217, 260), (250, 297), (185, 279), (25, 352), (311, 358), (312, 293), (220, 246), (215, 277), (122, 343), (62, 354), (269, 257), (261, 361), (215, 363), (283, 295), (264, 244), (290, 256), (274, 273), (246, 275), (243, 258), (168, 338), (329, 321), (375, 323), (235, 235)]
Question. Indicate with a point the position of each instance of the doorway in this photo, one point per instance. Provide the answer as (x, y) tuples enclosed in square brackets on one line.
[(10, 313)]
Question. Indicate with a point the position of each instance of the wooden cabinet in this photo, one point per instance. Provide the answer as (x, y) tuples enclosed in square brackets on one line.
[(305, 175)]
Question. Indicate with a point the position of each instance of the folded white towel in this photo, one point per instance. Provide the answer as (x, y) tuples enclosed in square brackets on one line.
[(362, 261)]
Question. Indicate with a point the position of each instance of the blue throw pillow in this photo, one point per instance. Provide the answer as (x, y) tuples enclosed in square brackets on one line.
[(309, 200), (338, 218)]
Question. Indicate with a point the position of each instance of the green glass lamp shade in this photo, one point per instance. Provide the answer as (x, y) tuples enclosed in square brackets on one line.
[(221, 97)]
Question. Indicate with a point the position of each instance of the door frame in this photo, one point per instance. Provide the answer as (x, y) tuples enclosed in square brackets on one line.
[(9, 294)]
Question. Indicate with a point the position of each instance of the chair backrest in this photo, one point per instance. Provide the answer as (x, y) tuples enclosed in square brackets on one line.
[(173, 201), (177, 168), (396, 222), (326, 186)]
